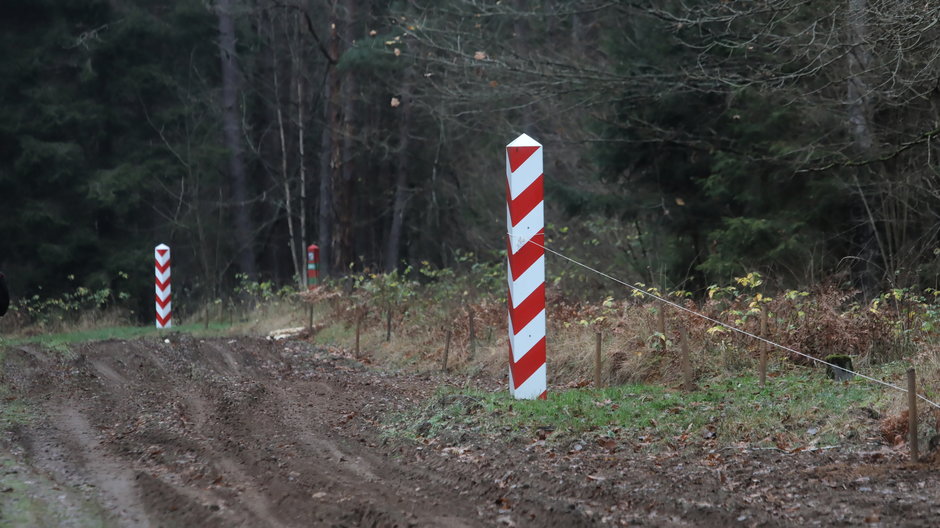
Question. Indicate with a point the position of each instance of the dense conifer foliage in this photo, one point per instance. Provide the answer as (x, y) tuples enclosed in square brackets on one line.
[(685, 141)]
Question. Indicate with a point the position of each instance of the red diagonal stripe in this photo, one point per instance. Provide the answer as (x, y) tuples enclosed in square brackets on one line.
[(518, 155), (162, 267), (164, 320), (527, 364), (163, 284), (527, 200), (523, 259), (527, 310), (163, 303)]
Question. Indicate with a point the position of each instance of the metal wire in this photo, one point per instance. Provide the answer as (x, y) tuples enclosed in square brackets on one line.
[(728, 326)]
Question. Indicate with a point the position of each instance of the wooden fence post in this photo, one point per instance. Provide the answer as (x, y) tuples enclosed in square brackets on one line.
[(912, 412), (472, 335), (359, 318), (388, 325), (597, 363), (685, 360), (763, 346), (446, 349), (662, 324)]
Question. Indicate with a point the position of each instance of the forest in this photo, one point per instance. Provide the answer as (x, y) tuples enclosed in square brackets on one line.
[(686, 142)]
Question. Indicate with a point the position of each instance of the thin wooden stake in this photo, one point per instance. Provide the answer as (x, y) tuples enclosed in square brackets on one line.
[(472, 336), (912, 412), (446, 349), (597, 362), (310, 317), (388, 325), (685, 360), (662, 325), (358, 333), (763, 346), (207, 317)]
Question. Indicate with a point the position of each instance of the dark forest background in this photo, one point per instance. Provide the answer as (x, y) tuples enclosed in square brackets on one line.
[(685, 142)]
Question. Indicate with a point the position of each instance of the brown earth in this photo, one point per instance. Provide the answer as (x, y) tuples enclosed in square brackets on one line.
[(253, 432)]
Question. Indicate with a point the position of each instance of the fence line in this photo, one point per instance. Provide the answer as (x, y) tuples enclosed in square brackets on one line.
[(728, 326)]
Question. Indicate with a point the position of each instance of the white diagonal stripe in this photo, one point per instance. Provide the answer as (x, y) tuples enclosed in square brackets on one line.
[(162, 260), (162, 275), (525, 175), (527, 228), (528, 282), (162, 293), (533, 387), (531, 334), (164, 311)]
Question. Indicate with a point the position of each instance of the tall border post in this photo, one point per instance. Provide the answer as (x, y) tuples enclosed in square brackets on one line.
[(161, 257), (525, 252)]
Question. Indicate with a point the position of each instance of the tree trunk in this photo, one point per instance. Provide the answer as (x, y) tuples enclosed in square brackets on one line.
[(302, 162), (328, 151), (231, 126), (344, 186), (858, 93), (858, 103), (285, 173), (401, 179)]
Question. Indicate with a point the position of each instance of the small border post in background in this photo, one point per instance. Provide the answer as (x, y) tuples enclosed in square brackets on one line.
[(313, 265), (313, 277), (161, 258), (525, 253)]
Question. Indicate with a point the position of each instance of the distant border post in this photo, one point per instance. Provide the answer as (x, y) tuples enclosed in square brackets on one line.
[(313, 266), (525, 254), (161, 255)]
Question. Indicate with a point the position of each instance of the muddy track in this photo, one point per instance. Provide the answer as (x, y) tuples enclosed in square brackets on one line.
[(251, 432)]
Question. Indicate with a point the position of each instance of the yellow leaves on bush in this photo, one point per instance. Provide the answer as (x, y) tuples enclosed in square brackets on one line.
[(751, 280)]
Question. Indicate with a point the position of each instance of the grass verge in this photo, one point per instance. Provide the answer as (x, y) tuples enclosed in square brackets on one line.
[(798, 409), (57, 341)]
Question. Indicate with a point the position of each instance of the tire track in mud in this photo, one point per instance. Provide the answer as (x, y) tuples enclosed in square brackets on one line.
[(250, 496), (240, 433), (116, 481)]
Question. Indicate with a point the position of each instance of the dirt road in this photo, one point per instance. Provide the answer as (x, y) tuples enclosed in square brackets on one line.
[(253, 432)]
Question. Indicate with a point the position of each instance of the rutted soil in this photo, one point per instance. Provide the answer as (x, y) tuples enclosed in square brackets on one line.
[(253, 432)]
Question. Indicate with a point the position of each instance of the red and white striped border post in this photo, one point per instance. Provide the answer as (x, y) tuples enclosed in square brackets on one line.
[(525, 223), (161, 256)]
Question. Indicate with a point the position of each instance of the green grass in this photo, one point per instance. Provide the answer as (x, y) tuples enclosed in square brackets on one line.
[(57, 341), (28, 498), (798, 408)]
